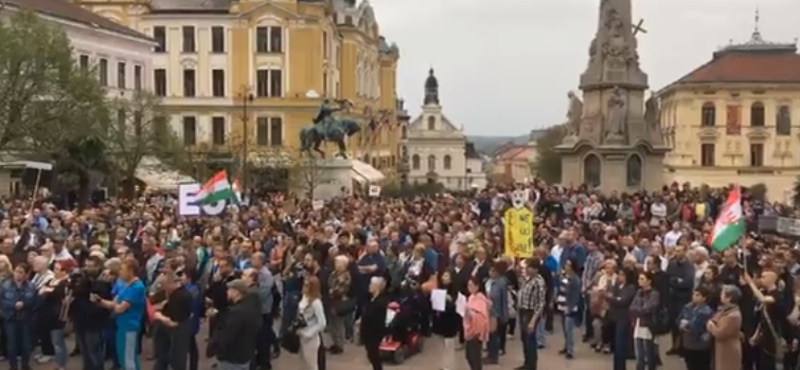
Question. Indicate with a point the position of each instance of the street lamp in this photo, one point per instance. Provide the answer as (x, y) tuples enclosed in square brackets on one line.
[(247, 98)]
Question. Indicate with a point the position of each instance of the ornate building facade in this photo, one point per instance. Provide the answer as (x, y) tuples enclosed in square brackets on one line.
[(248, 75), (437, 149), (735, 118)]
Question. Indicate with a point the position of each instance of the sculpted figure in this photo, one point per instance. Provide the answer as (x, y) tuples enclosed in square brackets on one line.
[(652, 111), (574, 114), (616, 112)]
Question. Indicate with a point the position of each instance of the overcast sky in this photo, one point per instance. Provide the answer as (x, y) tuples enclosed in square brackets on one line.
[(505, 66)]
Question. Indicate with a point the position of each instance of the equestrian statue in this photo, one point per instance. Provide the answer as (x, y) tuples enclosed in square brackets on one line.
[(328, 128)]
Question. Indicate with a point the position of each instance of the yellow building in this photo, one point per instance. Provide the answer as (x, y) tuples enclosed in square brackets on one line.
[(735, 119), (230, 70)]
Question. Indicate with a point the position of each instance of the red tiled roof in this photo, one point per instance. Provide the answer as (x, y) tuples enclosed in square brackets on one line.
[(65, 10), (743, 67)]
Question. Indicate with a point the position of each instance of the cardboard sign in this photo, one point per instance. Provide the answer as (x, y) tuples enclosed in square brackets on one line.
[(188, 206), (374, 191), (317, 204)]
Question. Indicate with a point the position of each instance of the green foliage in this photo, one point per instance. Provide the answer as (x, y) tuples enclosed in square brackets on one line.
[(758, 192), (410, 191), (548, 162)]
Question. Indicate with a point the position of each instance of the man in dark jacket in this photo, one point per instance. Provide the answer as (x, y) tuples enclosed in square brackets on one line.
[(680, 273), (89, 319), (234, 340)]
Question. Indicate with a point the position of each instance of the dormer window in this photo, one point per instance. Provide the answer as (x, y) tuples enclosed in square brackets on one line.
[(432, 123)]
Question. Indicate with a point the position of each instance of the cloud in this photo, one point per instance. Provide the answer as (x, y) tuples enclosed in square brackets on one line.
[(504, 66)]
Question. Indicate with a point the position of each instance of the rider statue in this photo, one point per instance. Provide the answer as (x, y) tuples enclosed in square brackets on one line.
[(325, 117)]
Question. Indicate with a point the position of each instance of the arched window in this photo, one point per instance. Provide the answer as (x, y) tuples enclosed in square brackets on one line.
[(783, 121), (591, 170), (448, 162), (709, 116), (431, 162), (757, 114), (634, 171), (415, 162), (431, 123)]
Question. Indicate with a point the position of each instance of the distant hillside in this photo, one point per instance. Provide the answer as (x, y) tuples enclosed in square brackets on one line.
[(487, 144)]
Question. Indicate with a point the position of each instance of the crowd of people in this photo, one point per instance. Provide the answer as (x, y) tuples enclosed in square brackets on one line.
[(625, 273)]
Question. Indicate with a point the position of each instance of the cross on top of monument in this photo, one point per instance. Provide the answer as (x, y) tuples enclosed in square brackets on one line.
[(638, 27)]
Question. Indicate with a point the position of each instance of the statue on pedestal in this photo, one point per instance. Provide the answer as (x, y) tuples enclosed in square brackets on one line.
[(574, 114), (616, 115), (326, 127)]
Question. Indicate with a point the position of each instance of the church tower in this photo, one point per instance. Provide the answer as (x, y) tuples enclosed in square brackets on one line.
[(431, 89)]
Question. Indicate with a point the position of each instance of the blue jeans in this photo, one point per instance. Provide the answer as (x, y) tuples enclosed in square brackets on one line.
[(541, 334), (493, 347), (126, 343), (59, 347), (622, 336), (530, 348), (91, 344), (568, 326), (645, 354), (18, 342)]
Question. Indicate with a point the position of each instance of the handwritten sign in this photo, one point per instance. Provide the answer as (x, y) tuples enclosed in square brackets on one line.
[(518, 232)]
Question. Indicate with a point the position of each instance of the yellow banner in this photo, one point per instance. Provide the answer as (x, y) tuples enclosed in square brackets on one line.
[(518, 226)]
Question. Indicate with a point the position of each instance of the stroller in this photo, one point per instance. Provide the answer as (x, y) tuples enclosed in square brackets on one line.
[(404, 338)]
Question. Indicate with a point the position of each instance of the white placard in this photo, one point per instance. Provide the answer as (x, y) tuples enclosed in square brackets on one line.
[(374, 191), (187, 202), (317, 204)]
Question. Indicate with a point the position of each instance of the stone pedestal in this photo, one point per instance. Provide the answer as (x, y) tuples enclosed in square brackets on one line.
[(616, 165), (324, 178)]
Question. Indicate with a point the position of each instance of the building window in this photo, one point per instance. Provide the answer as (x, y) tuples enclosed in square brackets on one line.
[(121, 117), (269, 39), (757, 115), (189, 131), (276, 131), (783, 121), (188, 39), (262, 39), (707, 154), (325, 84), (448, 162), (262, 83), (217, 39), (160, 35), (262, 131), (160, 82), (757, 155), (218, 83), (324, 44), (84, 62), (102, 69), (431, 162), (121, 75), (415, 162), (218, 130), (137, 78), (431, 123), (189, 83), (275, 39), (276, 83), (709, 115)]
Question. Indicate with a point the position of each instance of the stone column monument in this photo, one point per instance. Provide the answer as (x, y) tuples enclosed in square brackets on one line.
[(614, 140)]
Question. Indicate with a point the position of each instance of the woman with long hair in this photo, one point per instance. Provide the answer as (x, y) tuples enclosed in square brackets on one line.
[(643, 313), (476, 323), (311, 324)]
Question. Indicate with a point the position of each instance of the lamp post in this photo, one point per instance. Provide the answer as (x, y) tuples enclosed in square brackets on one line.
[(247, 98)]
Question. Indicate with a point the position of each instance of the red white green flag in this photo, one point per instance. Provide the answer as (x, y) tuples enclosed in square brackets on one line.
[(730, 225), (216, 189), (237, 190)]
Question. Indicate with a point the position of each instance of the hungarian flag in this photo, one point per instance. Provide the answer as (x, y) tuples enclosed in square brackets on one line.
[(729, 226), (216, 189)]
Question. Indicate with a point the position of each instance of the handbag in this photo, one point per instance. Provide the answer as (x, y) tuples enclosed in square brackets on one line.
[(344, 307)]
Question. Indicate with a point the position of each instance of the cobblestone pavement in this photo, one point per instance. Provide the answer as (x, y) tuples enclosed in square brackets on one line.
[(354, 358)]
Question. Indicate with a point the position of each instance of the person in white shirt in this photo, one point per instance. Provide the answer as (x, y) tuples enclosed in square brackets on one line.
[(672, 237), (659, 212)]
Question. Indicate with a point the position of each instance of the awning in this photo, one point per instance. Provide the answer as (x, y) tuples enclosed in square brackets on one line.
[(364, 173), (157, 176)]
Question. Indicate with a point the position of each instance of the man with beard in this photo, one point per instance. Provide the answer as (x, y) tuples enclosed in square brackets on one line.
[(234, 342), (89, 319), (217, 292), (680, 273)]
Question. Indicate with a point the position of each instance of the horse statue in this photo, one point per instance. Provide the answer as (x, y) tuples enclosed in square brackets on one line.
[(328, 128)]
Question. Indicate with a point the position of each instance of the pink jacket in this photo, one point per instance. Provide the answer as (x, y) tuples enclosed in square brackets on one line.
[(476, 318)]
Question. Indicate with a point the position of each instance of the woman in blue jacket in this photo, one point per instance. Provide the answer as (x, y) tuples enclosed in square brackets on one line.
[(16, 307), (497, 292)]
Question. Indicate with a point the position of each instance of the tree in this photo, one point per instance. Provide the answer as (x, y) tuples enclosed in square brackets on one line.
[(138, 129), (308, 176), (796, 195), (548, 162)]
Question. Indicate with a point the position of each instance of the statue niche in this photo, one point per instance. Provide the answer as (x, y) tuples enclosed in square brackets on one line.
[(592, 170)]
